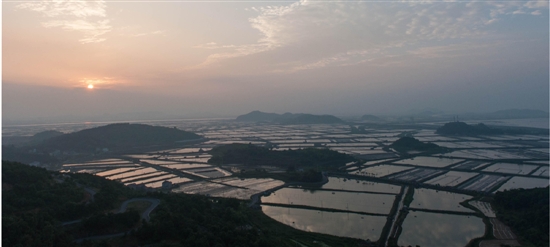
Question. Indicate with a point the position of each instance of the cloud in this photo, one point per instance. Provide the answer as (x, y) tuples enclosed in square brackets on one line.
[(99, 82), (541, 4), (92, 30), (316, 34), (88, 17), (158, 32)]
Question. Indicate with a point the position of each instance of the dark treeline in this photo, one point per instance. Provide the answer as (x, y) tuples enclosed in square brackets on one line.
[(252, 155), (526, 211), (405, 144)]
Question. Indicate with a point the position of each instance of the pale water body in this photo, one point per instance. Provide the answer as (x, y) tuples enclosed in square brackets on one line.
[(437, 230), (529, 122), (542, 171), (381, 170), (175, 180), (439, 200), (484, 154), (185, 166), (360, 185), (132, 173), (159, 162), (338, 224), (202, 187), (428, 161), (417, 174), (484, 183), (451, 178), (259, 184), (525, 183), (511, 168), (154, 179), (143, 176), (358, 202)]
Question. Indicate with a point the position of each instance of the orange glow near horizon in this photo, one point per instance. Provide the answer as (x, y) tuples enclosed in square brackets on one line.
[(90, 86)]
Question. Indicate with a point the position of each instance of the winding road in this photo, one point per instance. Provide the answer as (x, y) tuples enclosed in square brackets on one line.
[(145, 215)]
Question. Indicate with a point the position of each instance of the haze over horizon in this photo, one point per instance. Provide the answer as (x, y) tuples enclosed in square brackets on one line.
[(223, 59)]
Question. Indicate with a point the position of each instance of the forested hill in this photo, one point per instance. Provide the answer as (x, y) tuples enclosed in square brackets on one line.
[(253, 155), (116, 136), (464, 129), (406, 144), (461, 128)]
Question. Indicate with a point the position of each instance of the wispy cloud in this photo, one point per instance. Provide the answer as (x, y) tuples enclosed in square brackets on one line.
[(323, 34), (87, 17), (158, 32)]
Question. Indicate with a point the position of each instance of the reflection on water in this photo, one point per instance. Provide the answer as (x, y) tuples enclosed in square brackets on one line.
[(525, 183), (439, 200), (436, 230), (428, 161), (511, 168), (359, 185), (358, 202), (380, 171), (338, 224)]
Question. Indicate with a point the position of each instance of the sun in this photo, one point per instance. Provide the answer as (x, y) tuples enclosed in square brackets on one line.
[(90, 86)]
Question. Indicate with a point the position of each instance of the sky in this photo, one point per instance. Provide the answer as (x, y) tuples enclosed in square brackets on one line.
[(195, 59)]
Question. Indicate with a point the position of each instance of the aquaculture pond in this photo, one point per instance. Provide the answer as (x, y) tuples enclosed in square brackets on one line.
[(511, 168), (451, 178), (360, 185), (524, 182), (439, 200), (436, 230), (352, 201), (542, 171), (428, 161), (381, 170), (338, 224)]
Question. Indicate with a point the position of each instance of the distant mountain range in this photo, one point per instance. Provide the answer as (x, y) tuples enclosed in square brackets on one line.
[(288, 118), (464, 129), (461, 128), (371, 118)]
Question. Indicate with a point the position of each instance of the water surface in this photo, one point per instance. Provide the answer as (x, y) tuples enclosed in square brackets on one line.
[(337, 224), (437, 230)]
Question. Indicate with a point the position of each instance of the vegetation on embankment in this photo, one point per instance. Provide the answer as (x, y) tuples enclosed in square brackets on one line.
[(407, 144), (291, 160), (526, 212)]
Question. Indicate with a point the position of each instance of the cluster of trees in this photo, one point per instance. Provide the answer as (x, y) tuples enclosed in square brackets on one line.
[(526, 211), (35, 201), (405, 144), (200, 221), (252, 155), (100, 224)]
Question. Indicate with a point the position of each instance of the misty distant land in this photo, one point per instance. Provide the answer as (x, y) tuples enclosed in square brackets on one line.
[(289, 118)]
